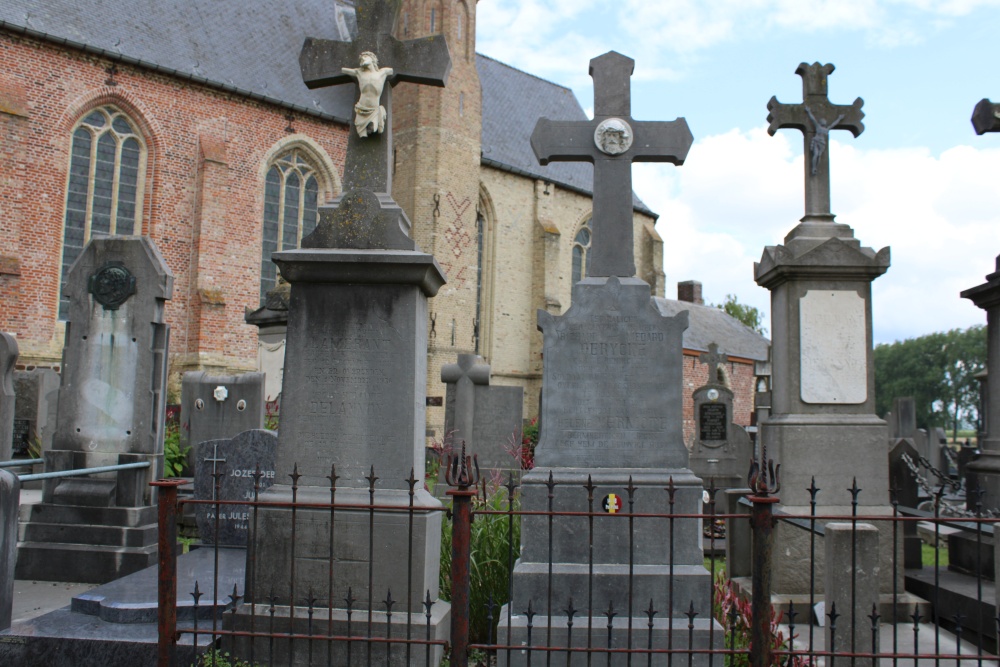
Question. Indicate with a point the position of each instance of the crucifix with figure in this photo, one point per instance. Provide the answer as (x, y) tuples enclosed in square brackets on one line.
[(612, 142), (373, 59), (815, 117)]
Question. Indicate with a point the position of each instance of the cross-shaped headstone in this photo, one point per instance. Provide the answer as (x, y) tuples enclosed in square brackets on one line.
[(423, 61), (986, 117), (465, 375), (815, 117), (612, 142), (713, 359)]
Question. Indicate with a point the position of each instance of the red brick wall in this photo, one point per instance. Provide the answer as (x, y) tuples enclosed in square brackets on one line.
[(741, 381), (203, 200)]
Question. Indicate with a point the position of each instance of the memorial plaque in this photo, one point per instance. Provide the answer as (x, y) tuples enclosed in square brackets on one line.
[(834, 348), (607, 360), (237, 460), (22, 436), (713, 420)]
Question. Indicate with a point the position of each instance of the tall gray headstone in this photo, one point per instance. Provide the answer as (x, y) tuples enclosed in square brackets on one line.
[(215, 407), (822, 423), (987, 466), (229, 469), (111, 410), (487, 418), (10, 498), (721, 450), (37, 393), (903, 483), (612, 410), (8, 357), (354, 385)]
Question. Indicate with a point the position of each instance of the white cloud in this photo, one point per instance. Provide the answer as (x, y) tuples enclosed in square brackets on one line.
[(740, 191)]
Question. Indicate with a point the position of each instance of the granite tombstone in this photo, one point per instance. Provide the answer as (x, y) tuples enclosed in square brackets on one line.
[(219, 407), (354, 384), (903, 471), (37, 393), (111, 410), (986, 468), (822, 423), (721, 450), (232, 469), (10, 498), (487, 418), (611, 414), (8, 357)]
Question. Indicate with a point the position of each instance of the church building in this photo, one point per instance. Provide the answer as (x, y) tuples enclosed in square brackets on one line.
[(188, 122)]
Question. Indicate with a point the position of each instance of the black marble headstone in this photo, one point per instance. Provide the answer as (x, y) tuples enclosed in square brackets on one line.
[(713, 418), (236, 460)]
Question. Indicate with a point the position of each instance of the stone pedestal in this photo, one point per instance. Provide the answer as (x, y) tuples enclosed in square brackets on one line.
[(111, 410), (987, 467), (353, 396), (822, 424), (612, 415)]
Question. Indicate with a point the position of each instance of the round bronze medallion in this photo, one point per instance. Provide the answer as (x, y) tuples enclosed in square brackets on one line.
[(112, 285)]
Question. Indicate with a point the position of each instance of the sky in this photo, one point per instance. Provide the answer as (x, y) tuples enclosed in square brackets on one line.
[(918, 179)]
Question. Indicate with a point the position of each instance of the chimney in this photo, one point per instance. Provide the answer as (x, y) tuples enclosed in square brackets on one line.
[(690, 291)]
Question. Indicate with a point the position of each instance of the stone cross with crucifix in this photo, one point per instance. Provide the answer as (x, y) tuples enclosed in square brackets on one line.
[(470, 371), (713, 359), (373, 59), (986, 117), (815, 117), (612, 142)]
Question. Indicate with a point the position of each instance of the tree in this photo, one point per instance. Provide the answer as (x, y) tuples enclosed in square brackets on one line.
[(938, 370), (748, 315)]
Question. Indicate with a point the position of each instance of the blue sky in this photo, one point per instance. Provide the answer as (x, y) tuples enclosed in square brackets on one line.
[(918, 179)]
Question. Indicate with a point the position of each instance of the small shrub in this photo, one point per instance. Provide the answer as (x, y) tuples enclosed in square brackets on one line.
[(490, 557), (737, 627), (272, 414), (216, 658), (174, 458)]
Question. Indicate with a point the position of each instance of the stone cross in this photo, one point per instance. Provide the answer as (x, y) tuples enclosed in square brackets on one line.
[(612, 142), (815, 117), (215, 460), (422, 61), (986, 117), (465, 375), (713, 359)]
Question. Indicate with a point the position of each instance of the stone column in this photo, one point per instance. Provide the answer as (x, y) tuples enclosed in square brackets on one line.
[(8, 357), (851, 583), (10, 493), (822, 424), (987, 466)]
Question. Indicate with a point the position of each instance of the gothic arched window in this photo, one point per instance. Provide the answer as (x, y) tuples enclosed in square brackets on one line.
[(291, 197), (103, 194), (581, 251)]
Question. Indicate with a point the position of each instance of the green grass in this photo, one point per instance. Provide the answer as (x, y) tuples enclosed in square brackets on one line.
[(927, 555)]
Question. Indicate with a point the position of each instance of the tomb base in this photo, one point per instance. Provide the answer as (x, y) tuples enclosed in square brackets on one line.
[(85, 544), (677, 634)]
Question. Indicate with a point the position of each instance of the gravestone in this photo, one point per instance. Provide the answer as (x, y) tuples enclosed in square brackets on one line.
[(611, 414), (721, 450), (271, 321), (37, 393), (822, 424), (487, 418), (111, 410), (986, 468), (219, 407), (10, 498), (236, 462), (354, 386), (8, 357), (903, 481)]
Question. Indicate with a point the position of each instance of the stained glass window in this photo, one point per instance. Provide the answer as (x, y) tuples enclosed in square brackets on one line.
[(291, 199), (107, 161)]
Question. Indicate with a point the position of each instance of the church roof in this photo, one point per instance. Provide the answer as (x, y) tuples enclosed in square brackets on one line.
[(708, 324), (252, 49)]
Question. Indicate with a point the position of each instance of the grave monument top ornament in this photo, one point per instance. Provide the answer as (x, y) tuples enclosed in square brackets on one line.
[(815, 117), (612, 142), (326, 62)]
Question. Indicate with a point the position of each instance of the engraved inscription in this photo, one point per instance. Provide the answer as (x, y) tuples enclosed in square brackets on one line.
[(712, 421)]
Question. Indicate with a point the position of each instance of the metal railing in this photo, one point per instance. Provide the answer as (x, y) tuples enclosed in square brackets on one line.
[(742, 625), (18, 463), (81, 472)]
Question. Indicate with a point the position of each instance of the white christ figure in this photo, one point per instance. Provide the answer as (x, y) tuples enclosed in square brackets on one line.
[(369, 115)]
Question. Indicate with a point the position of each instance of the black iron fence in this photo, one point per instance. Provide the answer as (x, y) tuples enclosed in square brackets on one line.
[(575, 604)]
